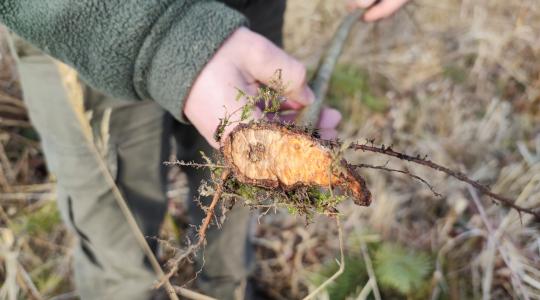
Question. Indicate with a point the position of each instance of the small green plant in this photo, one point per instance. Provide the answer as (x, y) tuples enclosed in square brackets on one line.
[(350, 82), (399, 272), (401, 269)]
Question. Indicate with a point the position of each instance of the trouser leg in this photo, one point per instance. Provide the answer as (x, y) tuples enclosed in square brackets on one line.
[(133, 140), (108, 261), (134, 147)]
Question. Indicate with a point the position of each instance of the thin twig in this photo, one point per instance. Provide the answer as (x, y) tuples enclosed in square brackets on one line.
[(25, 197), (190, 294), (494, 244), (321, 82), (21, 166), (406, 172), (28, 283), (366, 290), (4, 182), (370, 271), (5, 98), (14, 123), (210, 210), (457, 175), (13, 110), (449, 245), (202, 230), (341, 264), (8, 168), (34, 188)]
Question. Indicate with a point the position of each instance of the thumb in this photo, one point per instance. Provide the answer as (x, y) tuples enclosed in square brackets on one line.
[(265, 58)]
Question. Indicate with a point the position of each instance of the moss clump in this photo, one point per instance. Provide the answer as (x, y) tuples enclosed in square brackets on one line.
[(303, 201)]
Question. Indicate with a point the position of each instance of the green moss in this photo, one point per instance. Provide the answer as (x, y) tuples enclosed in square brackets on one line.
[(323, 199), (43, 220), (401, 269), (304, 201), (292, 210)]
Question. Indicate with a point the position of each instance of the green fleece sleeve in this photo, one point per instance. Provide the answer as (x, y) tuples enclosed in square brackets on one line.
[(135, 49)]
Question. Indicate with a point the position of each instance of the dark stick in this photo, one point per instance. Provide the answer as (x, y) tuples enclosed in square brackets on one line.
[(321, 80), (457, 175)]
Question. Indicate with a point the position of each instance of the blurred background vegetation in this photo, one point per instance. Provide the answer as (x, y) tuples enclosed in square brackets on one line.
[(458, 81)]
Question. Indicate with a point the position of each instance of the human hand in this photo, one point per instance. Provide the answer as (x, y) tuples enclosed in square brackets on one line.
[(376, 11), (244, 61)]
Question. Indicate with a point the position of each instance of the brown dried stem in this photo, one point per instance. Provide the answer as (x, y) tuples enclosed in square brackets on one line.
[(405, 172), (190, 294), (321, 81), (509, 202), (202, 230), (341, 264), (210, 210)]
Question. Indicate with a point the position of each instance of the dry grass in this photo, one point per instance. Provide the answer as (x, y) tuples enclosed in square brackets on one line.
[(459, 81)]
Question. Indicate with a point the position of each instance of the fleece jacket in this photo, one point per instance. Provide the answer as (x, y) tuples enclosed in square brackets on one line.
[(131, 49)]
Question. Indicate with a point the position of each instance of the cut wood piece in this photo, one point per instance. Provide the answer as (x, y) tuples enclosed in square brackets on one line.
[(272, 155)]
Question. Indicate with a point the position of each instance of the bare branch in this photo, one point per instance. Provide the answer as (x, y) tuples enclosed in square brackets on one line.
[(406, 172), (509, 202)]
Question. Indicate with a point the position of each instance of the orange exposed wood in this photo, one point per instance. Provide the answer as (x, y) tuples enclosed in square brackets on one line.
[(272, 155)]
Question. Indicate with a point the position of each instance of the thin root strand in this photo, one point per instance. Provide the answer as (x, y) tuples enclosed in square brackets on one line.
[(509, 202)]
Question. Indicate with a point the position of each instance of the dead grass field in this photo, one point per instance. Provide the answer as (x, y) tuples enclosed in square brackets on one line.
[(458, 81)]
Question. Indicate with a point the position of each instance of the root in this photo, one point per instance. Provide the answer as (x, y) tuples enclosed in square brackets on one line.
[(210, 211), (509, 202), (405, 172), (202, 230)]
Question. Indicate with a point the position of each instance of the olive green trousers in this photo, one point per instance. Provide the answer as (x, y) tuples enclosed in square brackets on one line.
[(134, 139)]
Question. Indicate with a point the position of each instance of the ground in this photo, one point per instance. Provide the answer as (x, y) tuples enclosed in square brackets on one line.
[(458, 81)]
